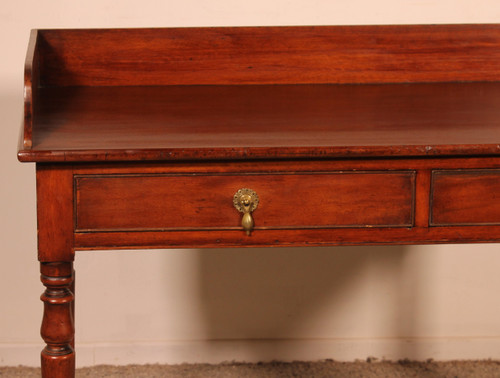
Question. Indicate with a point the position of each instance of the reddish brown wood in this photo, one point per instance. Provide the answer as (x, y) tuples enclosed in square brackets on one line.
[(31, 84), (274, 166), (72, 288), (287, 238), (466, 197), (276, 55), (162, 126), (237, 122), (55, 212), (58, 357), (219, 238), (423, 184), (56, 253), (271, 55), (288, 200)]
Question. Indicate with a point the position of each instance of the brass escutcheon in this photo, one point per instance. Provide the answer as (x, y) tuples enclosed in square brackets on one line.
[(245, 201)]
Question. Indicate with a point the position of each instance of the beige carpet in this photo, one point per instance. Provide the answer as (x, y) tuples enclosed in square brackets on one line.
[(454, 369)]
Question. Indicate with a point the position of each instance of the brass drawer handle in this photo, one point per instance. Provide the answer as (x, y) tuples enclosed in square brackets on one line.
[(246, 200)]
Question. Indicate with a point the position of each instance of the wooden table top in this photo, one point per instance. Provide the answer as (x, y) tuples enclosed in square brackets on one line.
[(262, 93), (262, 121)]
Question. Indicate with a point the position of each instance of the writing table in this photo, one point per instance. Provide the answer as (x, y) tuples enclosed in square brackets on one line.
[(256, 136)]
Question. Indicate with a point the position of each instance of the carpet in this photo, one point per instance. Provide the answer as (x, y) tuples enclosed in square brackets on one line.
[(320, 369)]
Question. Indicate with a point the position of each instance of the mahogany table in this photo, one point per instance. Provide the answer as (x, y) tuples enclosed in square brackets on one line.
[(256, 136)]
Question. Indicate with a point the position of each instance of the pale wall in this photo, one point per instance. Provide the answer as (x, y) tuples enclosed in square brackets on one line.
[(172, 306)]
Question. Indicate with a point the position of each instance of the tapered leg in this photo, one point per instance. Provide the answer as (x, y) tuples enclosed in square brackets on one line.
[(58, 357)]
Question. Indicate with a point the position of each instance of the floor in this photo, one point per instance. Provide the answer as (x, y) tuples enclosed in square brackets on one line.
[(328, 368)]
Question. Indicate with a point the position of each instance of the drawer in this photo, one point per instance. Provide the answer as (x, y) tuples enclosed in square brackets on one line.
[(465, 197), (288, 200)]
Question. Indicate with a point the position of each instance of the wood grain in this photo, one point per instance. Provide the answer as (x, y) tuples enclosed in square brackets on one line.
[(298, 165), (31, 85), (289, 200), (58, 329), (422, 197), (244, 171), (270, 55), (287, 238), (55, 213), (250, 122), (351, 135), (466, 197)]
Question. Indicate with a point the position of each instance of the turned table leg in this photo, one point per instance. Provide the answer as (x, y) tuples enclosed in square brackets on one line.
[(58, 357), (56, 255)]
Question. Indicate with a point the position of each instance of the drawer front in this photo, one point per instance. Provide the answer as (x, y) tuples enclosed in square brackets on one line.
[(465, 197), (205, 201)]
